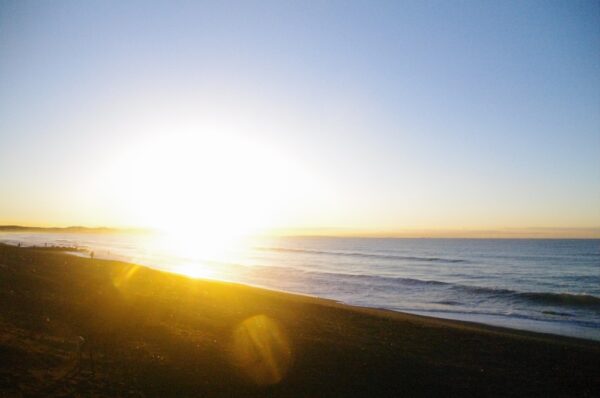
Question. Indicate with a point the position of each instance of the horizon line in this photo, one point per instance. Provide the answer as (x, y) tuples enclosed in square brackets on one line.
[(418, 233)]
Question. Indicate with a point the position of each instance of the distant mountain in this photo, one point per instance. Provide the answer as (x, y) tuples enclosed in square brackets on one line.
[(80, 229)]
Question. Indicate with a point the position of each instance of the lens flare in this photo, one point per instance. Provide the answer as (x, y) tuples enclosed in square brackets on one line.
[(261, 350)]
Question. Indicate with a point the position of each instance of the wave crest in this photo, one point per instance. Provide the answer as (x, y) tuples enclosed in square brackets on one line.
[(360, 254), (564, 299)]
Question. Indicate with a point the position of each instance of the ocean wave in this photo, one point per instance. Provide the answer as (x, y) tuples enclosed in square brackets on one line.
[(490, 291), (360, 254), (557, 313), (334, 277), (571, 300), (448, 302), (574, 300), (563, 299), (589, 254)]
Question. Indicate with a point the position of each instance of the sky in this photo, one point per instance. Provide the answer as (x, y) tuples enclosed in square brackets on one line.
[(350, 115)]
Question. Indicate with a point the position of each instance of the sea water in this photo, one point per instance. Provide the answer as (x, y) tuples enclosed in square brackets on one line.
[(544, 285)]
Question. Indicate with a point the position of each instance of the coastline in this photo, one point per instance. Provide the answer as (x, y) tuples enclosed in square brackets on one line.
[(569, 310), (153, 333)]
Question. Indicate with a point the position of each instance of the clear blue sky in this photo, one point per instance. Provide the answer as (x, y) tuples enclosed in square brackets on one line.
[(450, 114)]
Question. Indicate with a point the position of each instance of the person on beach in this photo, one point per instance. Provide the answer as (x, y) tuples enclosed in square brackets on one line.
[(92, 255)]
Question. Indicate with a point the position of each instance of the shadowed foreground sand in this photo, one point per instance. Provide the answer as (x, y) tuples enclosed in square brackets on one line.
[(72, 326)]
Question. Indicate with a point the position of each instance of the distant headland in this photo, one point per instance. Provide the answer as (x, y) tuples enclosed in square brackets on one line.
[(75, 228)]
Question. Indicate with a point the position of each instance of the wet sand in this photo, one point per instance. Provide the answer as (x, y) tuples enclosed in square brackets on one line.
[(72, 326)]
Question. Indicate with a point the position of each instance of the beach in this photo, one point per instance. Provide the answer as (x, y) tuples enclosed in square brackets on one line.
[(73, 326), (540, 285)]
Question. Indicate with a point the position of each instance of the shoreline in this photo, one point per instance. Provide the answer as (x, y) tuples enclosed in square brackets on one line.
[(153, 333), (517, 324), (575, 329), (445, 316), (77, 252)]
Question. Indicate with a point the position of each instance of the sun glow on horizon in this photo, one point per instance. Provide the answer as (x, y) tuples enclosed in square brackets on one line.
[(205, 192)]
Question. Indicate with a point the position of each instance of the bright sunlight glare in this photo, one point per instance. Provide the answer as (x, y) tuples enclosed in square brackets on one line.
[(205, 193)]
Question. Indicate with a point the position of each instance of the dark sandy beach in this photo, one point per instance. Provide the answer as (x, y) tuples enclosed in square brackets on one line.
[(71, 326)]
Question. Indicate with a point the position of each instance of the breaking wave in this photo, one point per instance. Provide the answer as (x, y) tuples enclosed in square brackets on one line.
[(360, 254)]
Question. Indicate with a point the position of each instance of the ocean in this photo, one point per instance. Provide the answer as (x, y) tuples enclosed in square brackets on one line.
[(544, 285)]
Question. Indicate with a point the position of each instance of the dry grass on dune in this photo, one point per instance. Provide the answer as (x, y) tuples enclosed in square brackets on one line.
[(73, 326)]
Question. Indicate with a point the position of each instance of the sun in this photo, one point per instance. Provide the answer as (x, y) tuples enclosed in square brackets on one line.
[(205, 192)]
